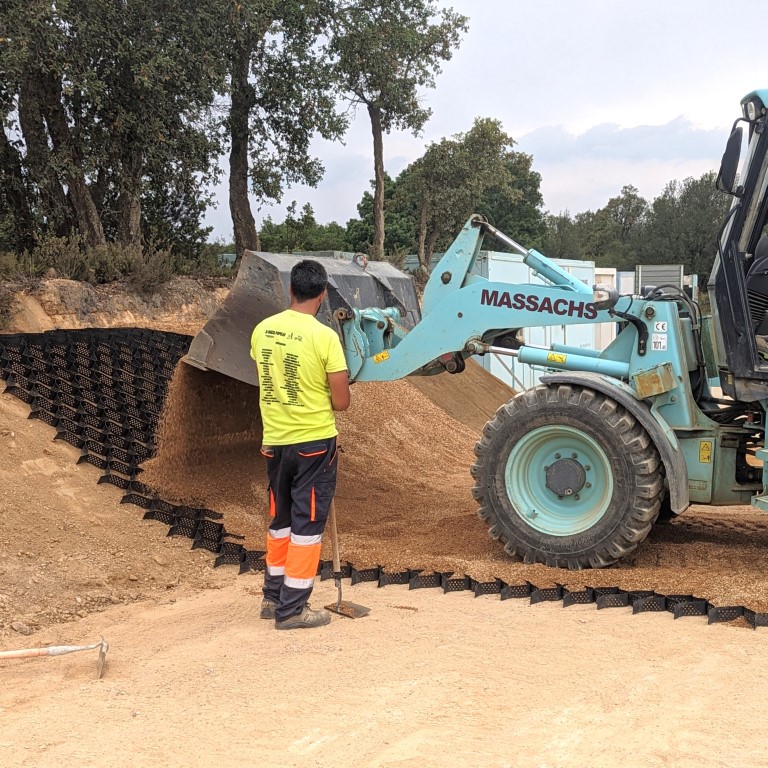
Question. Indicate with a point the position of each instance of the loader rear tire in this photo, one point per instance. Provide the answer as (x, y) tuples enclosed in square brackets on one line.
[(567, 477)]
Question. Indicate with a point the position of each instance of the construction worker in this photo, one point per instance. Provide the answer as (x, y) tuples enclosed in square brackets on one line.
[(302, 381)]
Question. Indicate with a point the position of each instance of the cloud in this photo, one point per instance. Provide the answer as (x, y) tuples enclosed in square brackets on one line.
[(677, 140), (588, 183)]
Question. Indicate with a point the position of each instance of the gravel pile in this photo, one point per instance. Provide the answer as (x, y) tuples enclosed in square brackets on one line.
[(404, 496)]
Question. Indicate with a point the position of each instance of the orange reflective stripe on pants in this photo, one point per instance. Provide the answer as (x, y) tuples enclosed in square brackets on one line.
[(277, 546), (301, 562)]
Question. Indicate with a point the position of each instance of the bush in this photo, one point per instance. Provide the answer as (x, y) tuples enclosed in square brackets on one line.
[(144, 268), (7, 294), (66, 255), (150, 269)]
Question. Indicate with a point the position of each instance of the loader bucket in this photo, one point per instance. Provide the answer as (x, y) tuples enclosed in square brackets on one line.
[(261, 290)]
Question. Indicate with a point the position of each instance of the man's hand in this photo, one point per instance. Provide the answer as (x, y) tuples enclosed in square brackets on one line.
[(338, 383)]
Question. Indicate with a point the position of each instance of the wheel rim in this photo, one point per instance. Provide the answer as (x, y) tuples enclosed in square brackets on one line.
[(559, 480)]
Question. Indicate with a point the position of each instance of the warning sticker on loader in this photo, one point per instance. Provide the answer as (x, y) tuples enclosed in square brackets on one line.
[(705, 452), (556, 357), (659, 342), (381, 357)]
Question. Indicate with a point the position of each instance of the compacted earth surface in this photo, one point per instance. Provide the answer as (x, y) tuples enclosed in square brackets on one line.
[(195, 678)]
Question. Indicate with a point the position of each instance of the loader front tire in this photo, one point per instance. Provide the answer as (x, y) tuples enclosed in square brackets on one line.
[(567, 477)]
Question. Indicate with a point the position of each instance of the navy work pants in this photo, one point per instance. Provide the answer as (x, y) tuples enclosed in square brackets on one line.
[(302, 481)]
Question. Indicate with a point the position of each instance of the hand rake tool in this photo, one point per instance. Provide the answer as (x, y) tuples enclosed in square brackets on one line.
[(342, 607), (60, 650)]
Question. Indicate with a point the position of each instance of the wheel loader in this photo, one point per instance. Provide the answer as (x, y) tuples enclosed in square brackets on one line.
[(573, 472)]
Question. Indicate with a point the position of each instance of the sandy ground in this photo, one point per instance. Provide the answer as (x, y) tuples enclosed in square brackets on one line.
[(195, 678), (425, 680)]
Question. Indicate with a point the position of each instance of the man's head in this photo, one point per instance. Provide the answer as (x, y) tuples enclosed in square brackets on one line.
[(308, 281)]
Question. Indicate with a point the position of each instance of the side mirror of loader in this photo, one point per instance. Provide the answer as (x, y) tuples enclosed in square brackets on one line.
[(729, 165), (604, 296)]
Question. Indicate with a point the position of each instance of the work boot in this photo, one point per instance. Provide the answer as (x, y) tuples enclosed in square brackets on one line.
[(305, 620), (267, 609)]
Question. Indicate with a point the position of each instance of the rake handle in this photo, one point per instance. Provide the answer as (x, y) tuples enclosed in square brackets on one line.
[(334, 542), (53, 650)]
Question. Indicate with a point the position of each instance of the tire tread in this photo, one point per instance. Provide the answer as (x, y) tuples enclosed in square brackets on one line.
[(645, 459)]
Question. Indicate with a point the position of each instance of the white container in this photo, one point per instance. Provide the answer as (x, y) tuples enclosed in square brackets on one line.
[(605, 333)]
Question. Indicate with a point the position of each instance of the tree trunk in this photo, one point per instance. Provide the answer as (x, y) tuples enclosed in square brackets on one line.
[(53, 199), (377, 248), (99, 189), (243, 223), (422, 248), (129, 203), (429, 246), (69, 156), (15, 193)]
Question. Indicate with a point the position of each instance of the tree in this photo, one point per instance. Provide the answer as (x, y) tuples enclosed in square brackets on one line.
[(105, 98), (35, 62), (281, 96), (399, 224), (612, 235), (515, 204), (301, 233), (562, 239), (446, 184), (385, 53), (683, 224)]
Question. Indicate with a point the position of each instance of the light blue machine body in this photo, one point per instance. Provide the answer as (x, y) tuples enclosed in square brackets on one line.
[(463, 313)]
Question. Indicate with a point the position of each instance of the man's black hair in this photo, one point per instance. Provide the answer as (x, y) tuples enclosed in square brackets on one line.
[(308, 280)]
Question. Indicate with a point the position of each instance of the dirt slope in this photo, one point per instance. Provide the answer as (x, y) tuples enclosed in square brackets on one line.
[(67, 547)]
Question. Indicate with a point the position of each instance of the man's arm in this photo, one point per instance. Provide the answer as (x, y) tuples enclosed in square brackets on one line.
[(338, 383)]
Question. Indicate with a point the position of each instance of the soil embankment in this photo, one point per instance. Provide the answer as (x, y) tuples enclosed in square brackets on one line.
[(420, 683), (404, 491)]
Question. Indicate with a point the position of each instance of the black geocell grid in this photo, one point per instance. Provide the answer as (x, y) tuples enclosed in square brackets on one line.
[(102, 390)]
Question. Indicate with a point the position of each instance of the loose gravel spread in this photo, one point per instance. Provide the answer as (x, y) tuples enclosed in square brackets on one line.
[(404, 494)]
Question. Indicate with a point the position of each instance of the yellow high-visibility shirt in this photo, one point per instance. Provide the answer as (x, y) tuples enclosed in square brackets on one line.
[(294, 352)]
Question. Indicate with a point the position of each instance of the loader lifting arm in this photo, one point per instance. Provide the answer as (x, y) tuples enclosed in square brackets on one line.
[(463, 314)]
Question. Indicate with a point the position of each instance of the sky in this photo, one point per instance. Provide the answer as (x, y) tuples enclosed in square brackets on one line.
[(602, 93)]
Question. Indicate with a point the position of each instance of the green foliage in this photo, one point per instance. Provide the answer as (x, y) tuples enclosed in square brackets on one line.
[(448, 182), (399, 225), (281, 83), (301, 233), (514, 205), (7, 294), (292, 98), (679, 227), (208, 262), (474, 172), (611, 236), (144, 268), (150, 270), (385, 54), (683, 224), (562, 238), (111, 102)]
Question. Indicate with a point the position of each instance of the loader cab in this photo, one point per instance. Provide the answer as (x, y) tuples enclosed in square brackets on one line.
[(738, 284)]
